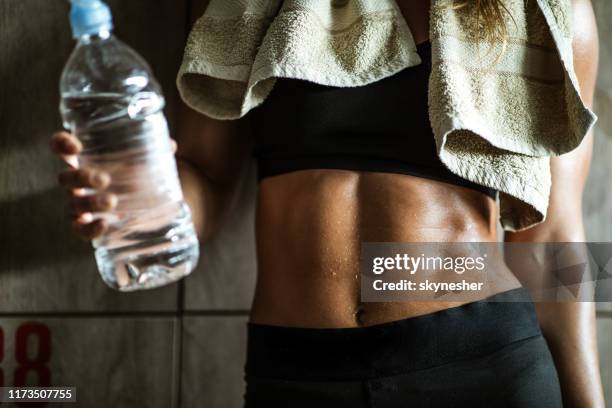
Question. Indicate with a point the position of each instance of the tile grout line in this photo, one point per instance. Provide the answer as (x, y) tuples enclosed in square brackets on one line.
[(124, 314), (181, 289), (602, 314), (179, 354)]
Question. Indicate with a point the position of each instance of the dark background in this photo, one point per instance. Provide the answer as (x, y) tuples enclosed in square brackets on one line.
[(183, 345)]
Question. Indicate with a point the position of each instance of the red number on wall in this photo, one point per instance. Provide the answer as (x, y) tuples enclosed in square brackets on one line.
[(26, 364), (36, 363)]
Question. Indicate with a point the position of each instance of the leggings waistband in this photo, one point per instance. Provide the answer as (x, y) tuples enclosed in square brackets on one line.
[(466, 331)]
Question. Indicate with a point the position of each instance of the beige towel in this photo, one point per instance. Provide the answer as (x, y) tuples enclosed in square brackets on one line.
[(498, 112)]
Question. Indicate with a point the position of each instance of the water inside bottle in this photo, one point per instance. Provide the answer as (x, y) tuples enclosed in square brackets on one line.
[(151, 240)]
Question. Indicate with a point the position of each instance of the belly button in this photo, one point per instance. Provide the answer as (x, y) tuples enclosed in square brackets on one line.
[(358, 315)]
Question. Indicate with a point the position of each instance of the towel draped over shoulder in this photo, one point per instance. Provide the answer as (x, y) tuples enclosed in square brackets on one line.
[(498, 111)]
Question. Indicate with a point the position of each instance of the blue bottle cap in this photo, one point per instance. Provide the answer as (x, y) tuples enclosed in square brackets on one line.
[(89, 17)]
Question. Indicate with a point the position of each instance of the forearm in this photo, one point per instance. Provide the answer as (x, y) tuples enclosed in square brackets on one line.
[(568, 326), (570, 330)]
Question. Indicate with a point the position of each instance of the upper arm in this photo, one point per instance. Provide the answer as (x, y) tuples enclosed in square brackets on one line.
[(585, 47), (217, 149), (569, 171)]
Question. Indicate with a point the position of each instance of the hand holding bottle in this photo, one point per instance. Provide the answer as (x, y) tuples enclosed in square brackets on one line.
[(123, 180)]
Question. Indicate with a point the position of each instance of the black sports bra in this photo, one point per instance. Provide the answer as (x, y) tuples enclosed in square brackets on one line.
[(380, 127)]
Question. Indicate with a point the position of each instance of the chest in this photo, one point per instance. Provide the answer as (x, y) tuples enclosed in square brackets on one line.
[(416, 14)]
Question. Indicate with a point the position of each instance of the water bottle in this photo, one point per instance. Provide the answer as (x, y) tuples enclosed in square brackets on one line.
[(113, 104)]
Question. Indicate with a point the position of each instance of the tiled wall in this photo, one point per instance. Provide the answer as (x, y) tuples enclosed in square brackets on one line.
[(181, 346)]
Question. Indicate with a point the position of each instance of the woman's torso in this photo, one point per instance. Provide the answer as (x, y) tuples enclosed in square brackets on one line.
[(310, 223)]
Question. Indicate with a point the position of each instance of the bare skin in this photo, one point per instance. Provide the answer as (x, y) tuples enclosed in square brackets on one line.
[(570, 328), (310, 223)]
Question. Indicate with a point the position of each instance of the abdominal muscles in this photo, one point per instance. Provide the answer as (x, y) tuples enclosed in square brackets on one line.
[(310, 225)]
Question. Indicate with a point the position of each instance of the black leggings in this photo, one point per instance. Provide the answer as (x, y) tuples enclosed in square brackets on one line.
[(489, 353)]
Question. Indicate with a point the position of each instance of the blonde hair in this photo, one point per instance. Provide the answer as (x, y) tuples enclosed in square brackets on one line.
[(492, 15)]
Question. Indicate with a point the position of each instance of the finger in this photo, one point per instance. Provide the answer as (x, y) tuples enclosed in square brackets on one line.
[(67, 146), (84, 178), (71, 161), (64, 143), (89, 230), (173, 144), (92, 203)]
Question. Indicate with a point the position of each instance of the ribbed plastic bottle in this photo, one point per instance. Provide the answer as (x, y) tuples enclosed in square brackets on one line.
[(113, 104)]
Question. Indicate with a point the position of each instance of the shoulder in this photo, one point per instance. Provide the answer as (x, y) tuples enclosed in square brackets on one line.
[(585, 46)]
